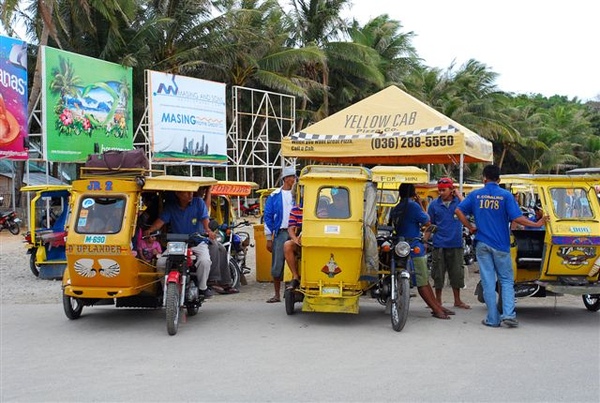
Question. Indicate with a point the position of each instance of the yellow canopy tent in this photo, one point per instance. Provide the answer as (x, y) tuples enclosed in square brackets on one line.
[(388, 128)]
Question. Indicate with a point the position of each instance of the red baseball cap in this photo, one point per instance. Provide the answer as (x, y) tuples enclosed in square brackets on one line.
[(445, 183)]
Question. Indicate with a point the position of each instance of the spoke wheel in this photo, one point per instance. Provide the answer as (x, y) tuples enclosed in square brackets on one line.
[(72, 306), (35, 269), (14, 228), (399, 307), (591, 302), (173, 308), (234, 270)]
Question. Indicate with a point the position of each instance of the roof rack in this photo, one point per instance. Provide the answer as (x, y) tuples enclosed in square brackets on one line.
[(123, 173)]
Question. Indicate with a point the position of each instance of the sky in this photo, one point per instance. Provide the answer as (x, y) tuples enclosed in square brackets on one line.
[(547, 47)]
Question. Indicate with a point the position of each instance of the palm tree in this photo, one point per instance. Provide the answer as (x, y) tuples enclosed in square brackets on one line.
[(347, 65), (398, 57)]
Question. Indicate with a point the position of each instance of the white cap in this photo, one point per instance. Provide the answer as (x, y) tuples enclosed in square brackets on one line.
[(288, 171)]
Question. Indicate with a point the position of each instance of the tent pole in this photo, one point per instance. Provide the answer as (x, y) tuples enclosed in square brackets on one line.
[(460, 177)]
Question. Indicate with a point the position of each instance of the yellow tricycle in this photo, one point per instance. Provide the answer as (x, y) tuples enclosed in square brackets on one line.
[(103, 266), (45, 240), (228, 228), (563, 257), (344, 253)]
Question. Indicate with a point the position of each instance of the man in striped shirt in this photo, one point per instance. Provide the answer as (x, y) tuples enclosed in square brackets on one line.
[(292, 246)]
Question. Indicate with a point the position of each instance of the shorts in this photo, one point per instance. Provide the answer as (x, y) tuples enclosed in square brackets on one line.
[(421, 272), (277, 257), (448, 260)]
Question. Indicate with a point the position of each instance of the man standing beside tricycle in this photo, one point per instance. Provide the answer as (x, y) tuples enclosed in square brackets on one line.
[(447, 254), (493, 209), (276, 216)]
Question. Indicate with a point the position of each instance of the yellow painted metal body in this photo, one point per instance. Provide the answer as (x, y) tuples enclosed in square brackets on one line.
[(560, 256), (332, 248), (389, 179), (47, 243), (221, 200), (101, 263)]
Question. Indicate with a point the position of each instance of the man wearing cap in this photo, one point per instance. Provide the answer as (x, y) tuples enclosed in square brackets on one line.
[(276, 216), (447, 254)]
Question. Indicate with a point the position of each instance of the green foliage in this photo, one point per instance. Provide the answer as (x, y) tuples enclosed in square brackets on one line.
[(309, 52)]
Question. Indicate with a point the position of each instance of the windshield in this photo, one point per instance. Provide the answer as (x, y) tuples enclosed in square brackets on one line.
[(100, 215), (569, 202)]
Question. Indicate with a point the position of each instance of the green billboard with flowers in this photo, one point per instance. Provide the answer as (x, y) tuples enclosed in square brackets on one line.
[(87, 106)]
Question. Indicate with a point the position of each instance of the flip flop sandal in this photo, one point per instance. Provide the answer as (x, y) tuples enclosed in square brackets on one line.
[(273, 300), (231, 290), (448, 311), (440, 316)]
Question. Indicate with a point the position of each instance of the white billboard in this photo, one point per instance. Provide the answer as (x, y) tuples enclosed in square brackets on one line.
[(187, 119)]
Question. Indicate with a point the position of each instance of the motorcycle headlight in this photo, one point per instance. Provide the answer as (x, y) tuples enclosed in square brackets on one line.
[(402, 249), (220, 237), (176, 248)]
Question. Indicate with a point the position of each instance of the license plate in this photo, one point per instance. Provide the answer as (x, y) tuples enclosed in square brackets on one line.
[(330, 290)]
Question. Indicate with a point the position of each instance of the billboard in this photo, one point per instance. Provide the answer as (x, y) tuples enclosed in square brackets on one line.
[(13, 98), (87, 106), (187, 119)]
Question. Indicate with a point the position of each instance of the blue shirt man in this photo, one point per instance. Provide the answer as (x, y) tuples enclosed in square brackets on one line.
[(276, 216), (408, 217), (493, 209), (188, 214), (447, 253)]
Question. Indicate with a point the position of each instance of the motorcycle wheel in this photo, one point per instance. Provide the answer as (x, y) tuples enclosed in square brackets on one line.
[(35, 269), (13, 227), (72, 306), (591, 302), (173, 309), (399, 311), (290, 299), (234, 270)]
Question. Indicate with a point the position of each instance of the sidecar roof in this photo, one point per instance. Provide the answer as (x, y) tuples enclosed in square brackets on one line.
[(177, 183), (233, 188)]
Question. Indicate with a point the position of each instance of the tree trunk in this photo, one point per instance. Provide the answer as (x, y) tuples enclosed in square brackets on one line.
[(33, 96)]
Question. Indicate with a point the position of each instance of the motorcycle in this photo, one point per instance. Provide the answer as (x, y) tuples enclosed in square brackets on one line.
[(469, 256), (236, 243), (11, 222), (180, 288), (393, 290), (250, 209)]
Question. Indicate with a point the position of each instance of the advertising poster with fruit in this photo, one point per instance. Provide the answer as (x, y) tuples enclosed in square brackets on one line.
[(87, 106), (187, 119), (13, 98)]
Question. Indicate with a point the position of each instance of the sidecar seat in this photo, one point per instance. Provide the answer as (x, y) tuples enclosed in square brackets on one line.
[(530, 248)]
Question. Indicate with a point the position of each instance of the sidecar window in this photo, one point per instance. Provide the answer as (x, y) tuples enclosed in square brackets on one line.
[(100, 215), (333, 202)]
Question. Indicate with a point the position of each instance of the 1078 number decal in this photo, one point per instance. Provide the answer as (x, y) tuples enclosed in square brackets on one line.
[(411, 142)]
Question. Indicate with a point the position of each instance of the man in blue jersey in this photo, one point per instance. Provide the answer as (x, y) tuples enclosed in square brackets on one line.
[(493, 209), (408, 217), (187, 215), (447, 254)]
